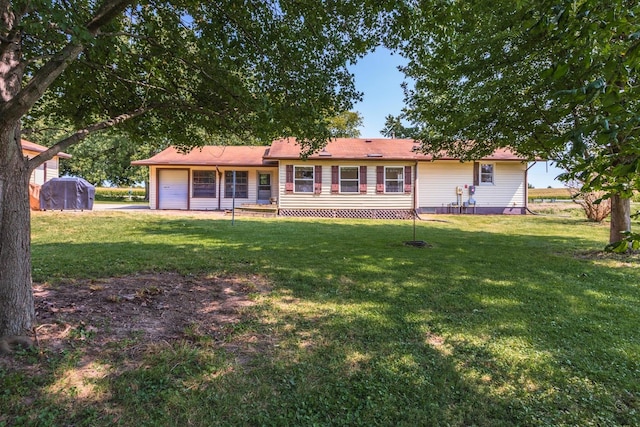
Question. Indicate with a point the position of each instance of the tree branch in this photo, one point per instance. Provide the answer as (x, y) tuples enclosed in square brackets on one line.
[(19, 105), (106, 14), (81, 134)]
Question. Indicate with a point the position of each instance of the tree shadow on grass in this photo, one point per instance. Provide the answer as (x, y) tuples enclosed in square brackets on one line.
[(482, 328)]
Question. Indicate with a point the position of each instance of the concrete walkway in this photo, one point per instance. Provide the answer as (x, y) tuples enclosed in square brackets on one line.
[(144, 209)]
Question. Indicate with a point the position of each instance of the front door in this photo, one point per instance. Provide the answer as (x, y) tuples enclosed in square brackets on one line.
[(264, 188)]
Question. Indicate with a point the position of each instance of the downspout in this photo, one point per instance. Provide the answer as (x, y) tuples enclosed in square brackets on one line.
[(526, 189), (157, 187)]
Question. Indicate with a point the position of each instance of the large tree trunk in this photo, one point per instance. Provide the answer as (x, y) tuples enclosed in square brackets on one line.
[(620, 218), (17, 314)]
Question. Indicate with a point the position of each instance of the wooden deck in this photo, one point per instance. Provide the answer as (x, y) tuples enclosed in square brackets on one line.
[(256, 210)]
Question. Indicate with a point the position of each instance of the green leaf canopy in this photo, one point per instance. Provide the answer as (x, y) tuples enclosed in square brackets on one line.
[(556, 79), (268, 68)]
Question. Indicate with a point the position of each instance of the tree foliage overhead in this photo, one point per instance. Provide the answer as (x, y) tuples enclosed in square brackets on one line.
[(395, 128), (106, 157), (545, 77), (552, 78), (271, 68), (345, 125)]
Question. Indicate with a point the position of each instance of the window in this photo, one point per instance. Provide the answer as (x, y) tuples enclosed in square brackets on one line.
[(204, 184), (349, 179), (394, 180), (303, 179), (486, 173), (242, 184)]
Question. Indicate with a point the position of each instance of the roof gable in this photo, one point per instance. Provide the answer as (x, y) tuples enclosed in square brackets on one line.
[(36, 148)]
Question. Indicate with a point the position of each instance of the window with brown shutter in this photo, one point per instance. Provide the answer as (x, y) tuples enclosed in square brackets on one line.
[(317, 188), (394, 179), (363, 180), (486, 173), (349, 179), (303, 179), (476, 173), (407, 179), (288, 186), (335, 179), (379, 179)]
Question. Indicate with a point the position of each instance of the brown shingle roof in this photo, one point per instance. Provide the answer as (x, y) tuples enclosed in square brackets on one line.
[(358, 148), (32, 146), (211, 155), (282, 149)]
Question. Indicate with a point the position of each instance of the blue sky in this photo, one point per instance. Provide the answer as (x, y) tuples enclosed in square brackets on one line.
[(378, 78)]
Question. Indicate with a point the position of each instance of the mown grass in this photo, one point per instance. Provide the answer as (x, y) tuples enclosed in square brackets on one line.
[(501, 321)]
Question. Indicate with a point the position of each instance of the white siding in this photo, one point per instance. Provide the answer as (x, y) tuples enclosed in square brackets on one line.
[(46, 171), (52, 168), (38, 175), (153, 187), (326, 200), (437, 182)]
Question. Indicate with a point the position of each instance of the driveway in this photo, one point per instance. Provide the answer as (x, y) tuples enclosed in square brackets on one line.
[(119, 206)]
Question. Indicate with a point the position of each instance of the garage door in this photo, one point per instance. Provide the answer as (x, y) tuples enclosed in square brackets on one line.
[(173, 189)]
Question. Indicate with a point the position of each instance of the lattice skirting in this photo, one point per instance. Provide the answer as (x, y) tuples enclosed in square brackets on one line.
[(349, 213)]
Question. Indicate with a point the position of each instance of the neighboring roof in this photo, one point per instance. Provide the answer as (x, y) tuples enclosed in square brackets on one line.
[(211, 155), (31, 146), (358, 148)]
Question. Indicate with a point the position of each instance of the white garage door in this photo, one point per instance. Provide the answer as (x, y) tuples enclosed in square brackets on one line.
[(173, 189)]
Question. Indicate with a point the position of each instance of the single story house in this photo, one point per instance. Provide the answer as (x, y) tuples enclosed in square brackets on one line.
[(350, 177), (47, 170)]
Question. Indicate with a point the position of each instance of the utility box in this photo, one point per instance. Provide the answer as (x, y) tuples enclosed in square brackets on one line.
[(67, 193)]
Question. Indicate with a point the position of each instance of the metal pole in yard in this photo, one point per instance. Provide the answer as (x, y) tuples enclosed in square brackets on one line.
[(233, 201)]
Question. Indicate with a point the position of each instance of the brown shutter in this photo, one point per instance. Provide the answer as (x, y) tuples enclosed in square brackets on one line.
[(476, 173), (288, 185), (379, 179), (407, 179), (317, 187), (363, 180), (335, 179)]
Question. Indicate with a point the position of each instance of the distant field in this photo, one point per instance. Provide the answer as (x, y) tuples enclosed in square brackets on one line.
[(115, 194), (549, 193), (560, 194)]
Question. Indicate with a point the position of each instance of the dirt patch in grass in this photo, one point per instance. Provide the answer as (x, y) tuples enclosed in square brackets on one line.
[(107, 317), (630, 259)]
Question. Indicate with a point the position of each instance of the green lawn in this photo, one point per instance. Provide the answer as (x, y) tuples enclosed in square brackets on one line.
[(503, 320)]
